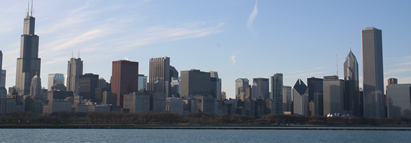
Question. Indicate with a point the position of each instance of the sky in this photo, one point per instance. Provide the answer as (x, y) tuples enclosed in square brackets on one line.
[(236, 38)]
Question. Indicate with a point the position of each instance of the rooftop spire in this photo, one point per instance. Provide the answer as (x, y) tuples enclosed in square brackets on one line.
[(31, 12), (28, 8)]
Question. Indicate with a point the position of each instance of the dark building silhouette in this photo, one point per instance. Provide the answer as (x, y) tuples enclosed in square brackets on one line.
[(28, 64), (88, 84), (124, 79)]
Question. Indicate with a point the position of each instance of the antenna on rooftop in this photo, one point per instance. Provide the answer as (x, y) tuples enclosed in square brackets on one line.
[(336, 62), (28, 7), (31, 12)]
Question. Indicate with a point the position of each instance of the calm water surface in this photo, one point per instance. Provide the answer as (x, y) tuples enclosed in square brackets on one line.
[(201, 135)]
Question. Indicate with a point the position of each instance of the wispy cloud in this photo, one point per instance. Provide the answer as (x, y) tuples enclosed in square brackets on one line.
[(252, 16), (233, 59), (306, 74), (398, 71), (307, 70), (402, 64)]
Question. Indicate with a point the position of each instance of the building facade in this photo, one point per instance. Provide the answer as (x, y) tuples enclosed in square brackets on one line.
[(263, 89), (88, 84), (124, 79), (160, 69), (240, 86), (399, 100), (28, 64), (55, 78), (333, 95), (74, 70), (300, 98), (352, 89), (277, 92), (195, 82), (373, 74)]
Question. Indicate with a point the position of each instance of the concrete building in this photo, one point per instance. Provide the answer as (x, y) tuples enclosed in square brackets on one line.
[(142, 82), (262, 87), (373, 74), (74, 71), (28, 64), (195, 82), (175, 105), (287, 98), (87, 87), (240, 87), (124, 79), (160, 69), (136, 103), (352, 89), (300, 98), (333, 95), (277, 92), (399, 100), (55, 78)]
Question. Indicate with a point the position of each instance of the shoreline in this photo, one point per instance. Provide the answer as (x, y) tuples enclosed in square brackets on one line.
[(368, 128)]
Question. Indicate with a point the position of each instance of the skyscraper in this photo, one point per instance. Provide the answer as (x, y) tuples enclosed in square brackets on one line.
[(124, 79), (28, 64), (287, 98), (263, 87), (74, 70), (374, 101), (277, 92), (87, 86), (240, 86), (160, 69), (195, 82), (35, 87), (2, 72), (300, 98), (352, 89), (55, 78), (216, 84), (142, 82), (333, 95)]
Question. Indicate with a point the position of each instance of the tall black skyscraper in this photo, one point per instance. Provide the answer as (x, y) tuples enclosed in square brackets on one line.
[(28, 64)]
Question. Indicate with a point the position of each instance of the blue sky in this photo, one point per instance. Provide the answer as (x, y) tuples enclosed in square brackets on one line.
[(239, 39)]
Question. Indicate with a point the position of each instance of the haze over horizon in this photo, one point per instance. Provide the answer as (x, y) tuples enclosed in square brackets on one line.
[(238, 39)]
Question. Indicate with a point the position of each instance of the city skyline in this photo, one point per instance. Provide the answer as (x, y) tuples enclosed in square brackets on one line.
[(193, 37)]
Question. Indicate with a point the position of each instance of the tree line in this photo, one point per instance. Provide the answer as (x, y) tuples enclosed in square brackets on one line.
[(196, 118)]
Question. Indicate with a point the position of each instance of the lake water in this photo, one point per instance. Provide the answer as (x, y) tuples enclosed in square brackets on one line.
[(199, 135)]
